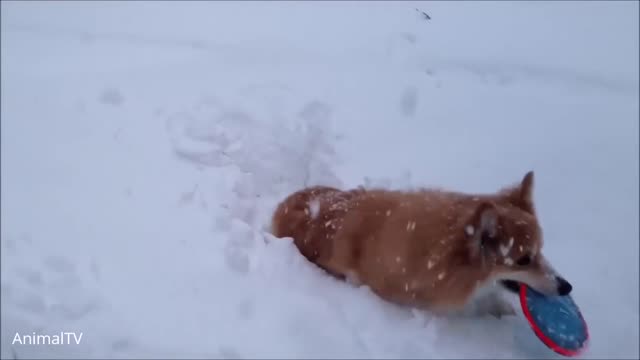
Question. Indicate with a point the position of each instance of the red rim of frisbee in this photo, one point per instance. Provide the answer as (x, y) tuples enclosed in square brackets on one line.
[(542, 336)]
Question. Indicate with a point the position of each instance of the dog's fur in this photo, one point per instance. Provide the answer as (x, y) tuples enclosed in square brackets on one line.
[(432, 249)]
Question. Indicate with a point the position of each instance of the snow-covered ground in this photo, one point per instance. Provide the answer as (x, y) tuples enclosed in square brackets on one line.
[(144, 145)]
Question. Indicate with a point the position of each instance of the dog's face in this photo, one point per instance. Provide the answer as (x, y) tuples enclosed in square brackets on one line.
[(508, 241)]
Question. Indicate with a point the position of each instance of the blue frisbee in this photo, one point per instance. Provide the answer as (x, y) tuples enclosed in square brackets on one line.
[(556, 321)]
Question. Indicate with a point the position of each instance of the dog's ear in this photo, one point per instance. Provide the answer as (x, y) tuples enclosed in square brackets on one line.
[(522, 194), (487, 219), (526, 190), (483, 228)]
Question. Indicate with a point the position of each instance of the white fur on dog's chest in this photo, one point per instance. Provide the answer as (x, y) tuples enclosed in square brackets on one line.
[(489, 298)]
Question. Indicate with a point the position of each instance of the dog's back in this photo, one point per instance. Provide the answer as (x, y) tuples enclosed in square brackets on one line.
[(370, 236)]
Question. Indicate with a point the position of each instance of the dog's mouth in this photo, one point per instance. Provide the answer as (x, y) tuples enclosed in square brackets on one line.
[(511, 285)]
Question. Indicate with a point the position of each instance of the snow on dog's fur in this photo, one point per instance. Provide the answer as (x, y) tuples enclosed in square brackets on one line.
[(437, 250)]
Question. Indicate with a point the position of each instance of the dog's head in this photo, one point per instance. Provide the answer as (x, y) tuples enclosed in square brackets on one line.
[(505, 238)]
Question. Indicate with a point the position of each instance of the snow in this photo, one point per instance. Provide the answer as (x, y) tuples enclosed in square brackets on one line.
[(411, 226), (469, 230), (145, 144), (314, 207), (508, 261)]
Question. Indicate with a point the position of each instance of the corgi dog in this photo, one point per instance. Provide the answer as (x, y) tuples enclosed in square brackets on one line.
[(441, 251)]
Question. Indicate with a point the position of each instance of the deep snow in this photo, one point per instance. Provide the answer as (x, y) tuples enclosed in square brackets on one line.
[(144, 145)]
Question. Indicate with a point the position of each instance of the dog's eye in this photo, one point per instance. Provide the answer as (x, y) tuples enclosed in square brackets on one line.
[(524, 260)]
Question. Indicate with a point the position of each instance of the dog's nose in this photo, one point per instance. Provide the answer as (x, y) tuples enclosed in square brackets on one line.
[(564, 287)]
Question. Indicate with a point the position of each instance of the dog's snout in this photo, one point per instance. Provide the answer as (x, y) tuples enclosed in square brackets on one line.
[(564, 287)]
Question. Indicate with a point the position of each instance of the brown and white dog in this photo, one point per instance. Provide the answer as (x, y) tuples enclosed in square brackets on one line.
[(437, 250)]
